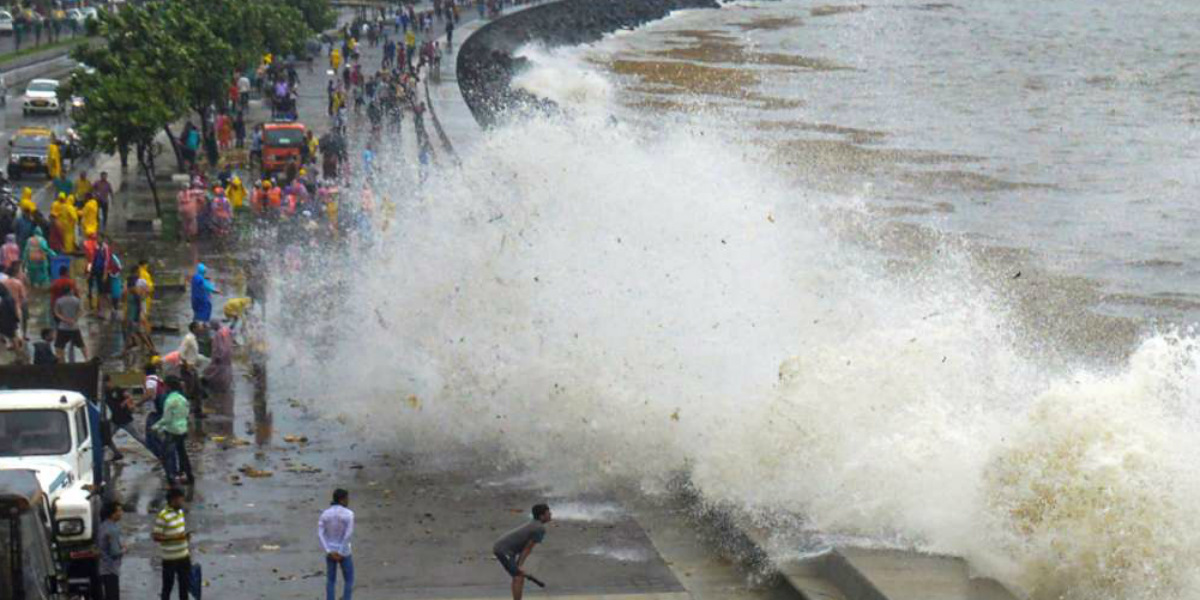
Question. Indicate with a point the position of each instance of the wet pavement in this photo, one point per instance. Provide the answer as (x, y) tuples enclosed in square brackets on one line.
[(266, 466)]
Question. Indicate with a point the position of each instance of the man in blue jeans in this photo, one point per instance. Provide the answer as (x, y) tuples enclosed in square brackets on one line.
[(334, 530)]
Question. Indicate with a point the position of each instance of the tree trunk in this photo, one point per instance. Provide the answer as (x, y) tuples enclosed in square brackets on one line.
[(145, 156), (205, 130), (179, 167)]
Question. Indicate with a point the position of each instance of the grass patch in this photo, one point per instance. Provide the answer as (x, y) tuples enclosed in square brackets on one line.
[(30, 50)]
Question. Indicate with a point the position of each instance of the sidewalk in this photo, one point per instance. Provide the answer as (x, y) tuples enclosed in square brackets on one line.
[(446, 102)]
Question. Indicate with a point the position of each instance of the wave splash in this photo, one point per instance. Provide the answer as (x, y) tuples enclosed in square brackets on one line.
[(606, 303)]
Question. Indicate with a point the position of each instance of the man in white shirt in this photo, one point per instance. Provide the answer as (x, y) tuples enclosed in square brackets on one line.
[(334, 529), (243, 84)]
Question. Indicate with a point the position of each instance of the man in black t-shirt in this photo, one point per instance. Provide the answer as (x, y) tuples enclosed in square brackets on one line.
[(120, 410)]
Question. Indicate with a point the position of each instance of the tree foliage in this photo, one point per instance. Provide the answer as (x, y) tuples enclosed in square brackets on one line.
[(318, 14), (163, 59)]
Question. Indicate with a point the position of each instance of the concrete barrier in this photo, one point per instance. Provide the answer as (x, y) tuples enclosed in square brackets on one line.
[(486, 64)]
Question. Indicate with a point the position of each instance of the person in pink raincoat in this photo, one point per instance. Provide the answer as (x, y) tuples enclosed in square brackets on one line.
[(188, 213), (10, 252), (221, 212), (219, 372)]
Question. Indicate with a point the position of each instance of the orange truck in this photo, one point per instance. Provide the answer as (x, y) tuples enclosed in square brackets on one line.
[(282, 144)]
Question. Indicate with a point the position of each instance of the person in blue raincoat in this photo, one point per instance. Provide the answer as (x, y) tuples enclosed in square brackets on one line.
[(202, 291)]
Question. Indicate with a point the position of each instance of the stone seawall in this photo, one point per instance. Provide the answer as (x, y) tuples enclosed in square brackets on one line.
[(486, 64)]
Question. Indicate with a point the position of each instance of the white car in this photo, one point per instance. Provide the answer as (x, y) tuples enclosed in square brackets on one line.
[(6, 22), (41, 97)]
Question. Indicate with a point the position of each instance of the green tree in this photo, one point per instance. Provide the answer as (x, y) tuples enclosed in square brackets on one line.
[(318, 14), (164, 59), (130, 88)]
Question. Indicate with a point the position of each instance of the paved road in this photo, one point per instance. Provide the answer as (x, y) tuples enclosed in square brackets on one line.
[(12, 119)]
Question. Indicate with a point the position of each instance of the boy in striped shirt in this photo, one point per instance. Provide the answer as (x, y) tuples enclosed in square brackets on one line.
[(170, 531)]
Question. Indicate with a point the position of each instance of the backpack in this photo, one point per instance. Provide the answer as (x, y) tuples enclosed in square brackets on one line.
[(114, 265)]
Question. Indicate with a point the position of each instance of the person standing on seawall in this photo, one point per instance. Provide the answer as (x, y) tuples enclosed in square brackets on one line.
[(334, 529), (516, 546)]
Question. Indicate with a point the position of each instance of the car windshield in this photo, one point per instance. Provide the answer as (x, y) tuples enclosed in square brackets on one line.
[(34, 433), (285, 137), (31, 142), (42, 86)]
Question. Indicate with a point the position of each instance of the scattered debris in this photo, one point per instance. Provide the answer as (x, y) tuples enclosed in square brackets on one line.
[(250, 471), (296, 439), (269, 547)]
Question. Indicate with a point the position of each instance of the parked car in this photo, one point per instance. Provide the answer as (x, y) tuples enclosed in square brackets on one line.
[(6, 22), (41, 96)]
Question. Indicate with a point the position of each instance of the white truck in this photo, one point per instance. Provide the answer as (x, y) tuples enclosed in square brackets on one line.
[(56, 434)]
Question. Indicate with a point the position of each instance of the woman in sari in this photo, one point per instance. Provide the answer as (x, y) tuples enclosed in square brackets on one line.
[(37, 259), (219, 373)]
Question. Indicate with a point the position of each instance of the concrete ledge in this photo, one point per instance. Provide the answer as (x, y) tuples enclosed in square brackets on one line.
[(835, 568), (486, 64)]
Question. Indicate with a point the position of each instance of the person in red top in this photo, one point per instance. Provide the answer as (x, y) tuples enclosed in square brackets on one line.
[(258, 200), (59, 288), (274, 199), (234, 96)]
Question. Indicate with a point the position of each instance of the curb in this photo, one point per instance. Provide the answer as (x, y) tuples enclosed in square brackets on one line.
[(486, 64)]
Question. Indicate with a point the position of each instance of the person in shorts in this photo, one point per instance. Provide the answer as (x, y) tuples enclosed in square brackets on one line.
[(516, 545), (67, 310)]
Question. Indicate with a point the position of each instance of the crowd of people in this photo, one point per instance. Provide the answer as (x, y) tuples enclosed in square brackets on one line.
[(34, 242)]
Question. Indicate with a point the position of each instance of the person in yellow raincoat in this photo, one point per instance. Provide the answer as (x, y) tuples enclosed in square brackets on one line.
[(27, 203), (83, 187), (335, 59), (143, 273), (56, 217), (53, 160), (67, 221), (236, 193), (90, 218)]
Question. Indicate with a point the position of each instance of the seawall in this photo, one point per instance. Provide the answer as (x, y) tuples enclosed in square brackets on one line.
[(486, 64)]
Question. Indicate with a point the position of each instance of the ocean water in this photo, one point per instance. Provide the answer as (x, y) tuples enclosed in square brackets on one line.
[(787, 271), (1067, 128)]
